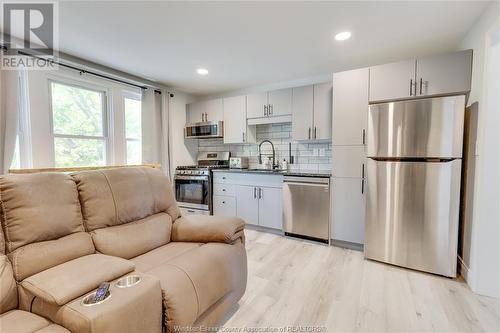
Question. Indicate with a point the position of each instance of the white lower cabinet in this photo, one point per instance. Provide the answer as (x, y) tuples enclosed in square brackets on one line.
[(224, 205), (247, 204), (348, 209), (271, 207), (257, 199)]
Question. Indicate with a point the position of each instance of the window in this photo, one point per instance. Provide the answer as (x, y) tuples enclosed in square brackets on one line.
[(16, 158), (79, 124), (133, 129)]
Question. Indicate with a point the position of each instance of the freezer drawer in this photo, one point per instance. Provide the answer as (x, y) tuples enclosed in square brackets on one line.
[(431, 128), (412, 213)]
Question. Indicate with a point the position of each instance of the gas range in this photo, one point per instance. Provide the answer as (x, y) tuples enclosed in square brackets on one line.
[(193, 183), (197, 170)]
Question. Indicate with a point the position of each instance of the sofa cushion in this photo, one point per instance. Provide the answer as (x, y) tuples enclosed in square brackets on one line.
[(22, 322), (36, 257), (197, 279), (53, 328), (8, 286), (135, 238), (206, 229), (38, 207), (161, 255), (62, 283), (117, 196)]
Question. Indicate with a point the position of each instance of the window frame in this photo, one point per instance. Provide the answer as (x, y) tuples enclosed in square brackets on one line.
[(138, 97), (106, 117)]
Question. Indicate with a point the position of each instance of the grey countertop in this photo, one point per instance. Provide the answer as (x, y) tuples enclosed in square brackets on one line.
[(298, 173)]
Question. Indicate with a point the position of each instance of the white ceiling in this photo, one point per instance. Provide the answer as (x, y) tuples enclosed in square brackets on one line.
[(246, 44)]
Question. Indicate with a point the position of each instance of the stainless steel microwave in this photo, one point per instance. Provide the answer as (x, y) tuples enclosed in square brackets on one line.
[(204, 130)]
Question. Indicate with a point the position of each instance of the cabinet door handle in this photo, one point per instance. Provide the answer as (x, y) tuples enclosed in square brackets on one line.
[(363, 136), (363, 170), (255, 193), (243, 136), (362, 186), (223, 190), (223, 202), (309, 133), (315, 136), (420, 86), (411, 87), (265, 110), (271, 109), (202, 117), (260, 193), (206, 116)]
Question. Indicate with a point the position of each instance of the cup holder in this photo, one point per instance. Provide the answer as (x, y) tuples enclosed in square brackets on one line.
[(90, 300), (128, 281)]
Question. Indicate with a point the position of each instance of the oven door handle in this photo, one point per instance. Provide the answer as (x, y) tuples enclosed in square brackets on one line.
[(191, 177)]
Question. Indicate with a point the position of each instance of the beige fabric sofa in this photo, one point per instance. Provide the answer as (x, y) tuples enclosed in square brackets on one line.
[(65, 234)]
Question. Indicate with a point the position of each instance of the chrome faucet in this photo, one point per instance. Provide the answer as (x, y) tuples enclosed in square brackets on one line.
[(274, 153)]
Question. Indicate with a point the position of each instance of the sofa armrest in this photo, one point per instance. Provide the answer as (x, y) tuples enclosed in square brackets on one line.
[(67, 281), (208, 229)]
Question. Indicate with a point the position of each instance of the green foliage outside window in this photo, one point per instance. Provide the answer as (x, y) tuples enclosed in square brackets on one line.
[(78, 112)]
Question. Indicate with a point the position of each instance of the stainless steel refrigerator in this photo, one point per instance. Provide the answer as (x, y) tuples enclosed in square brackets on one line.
[(414, 151)]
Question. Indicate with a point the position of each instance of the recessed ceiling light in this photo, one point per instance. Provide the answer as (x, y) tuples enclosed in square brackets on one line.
[(202, 71), (343, 35)]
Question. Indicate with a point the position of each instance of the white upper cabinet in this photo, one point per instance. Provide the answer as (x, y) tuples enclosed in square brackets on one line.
[(257, 105), (392, 81), (350, 107), (280, 102), (214, 110), (312, 112), (302, 112), (444, 74), (195, 112), (211, 110), (235, 121), (323, 111)]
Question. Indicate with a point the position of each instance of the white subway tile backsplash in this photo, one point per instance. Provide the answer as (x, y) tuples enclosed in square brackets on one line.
[(308, 155)]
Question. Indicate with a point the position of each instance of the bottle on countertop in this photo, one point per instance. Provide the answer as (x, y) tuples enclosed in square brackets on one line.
[(284, 165)]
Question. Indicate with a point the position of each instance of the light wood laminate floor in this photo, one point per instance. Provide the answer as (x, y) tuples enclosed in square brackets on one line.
[(293, 282)]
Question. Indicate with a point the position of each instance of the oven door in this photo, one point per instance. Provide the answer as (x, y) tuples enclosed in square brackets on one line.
[(192, 191)]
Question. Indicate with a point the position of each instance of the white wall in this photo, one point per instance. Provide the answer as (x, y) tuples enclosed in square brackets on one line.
[(182, 152), (484, 270), (273, 86)]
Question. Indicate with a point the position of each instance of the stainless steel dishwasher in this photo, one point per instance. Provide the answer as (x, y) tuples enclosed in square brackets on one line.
[(306, 207)]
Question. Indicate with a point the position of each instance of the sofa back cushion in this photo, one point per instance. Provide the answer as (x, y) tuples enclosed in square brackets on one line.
[(38, 207), (116, 196), (8, 286), (132, 239), (36, 257), (136, 205)]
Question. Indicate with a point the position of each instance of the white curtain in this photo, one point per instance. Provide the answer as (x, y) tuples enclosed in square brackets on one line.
[(155, 136), (9, 113)]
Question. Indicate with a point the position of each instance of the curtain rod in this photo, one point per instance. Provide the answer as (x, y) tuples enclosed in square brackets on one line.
[(81, 70)]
